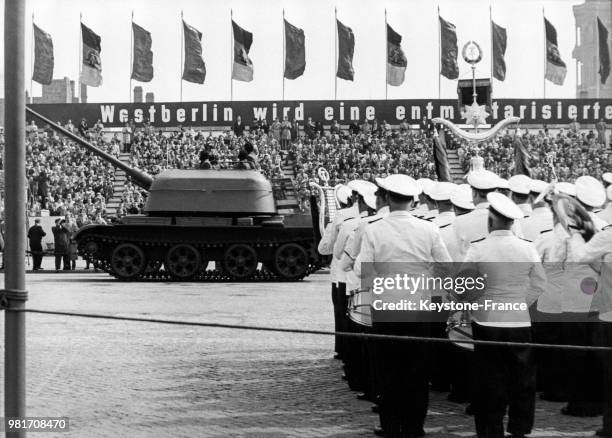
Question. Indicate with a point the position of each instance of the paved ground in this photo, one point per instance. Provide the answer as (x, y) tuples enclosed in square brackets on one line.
[(116, 379)]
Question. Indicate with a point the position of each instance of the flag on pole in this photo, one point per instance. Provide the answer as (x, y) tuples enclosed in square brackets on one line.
[(142, 64), (441, 159), (448, 50), (498, 45), (295, 51), (521, 157), (91, 72), (194, 69), (242, 69), (555, 67), (346, 49), (604, 52), (396, 59), (43, 56)]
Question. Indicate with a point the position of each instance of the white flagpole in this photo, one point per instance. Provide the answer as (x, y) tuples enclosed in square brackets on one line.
[(32, 64), (182, 53), (386, 57), (336, 53), (131, 56), (545, 52), (284, 54), (231, 54)]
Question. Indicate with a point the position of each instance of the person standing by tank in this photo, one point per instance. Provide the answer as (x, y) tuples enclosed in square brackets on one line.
[(35, 235), (285, 134), (60, 237)]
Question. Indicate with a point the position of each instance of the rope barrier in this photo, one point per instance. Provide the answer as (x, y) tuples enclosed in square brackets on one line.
[(372, 336)]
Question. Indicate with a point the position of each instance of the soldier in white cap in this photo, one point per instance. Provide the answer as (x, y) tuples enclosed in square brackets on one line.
[(520, 190), (514, 277), (388, 245), (541, 219), (326, 247), (426, 208), (607, 179), (472, 227), (599, 250), (360, 189), (357, 362), (592, 195)]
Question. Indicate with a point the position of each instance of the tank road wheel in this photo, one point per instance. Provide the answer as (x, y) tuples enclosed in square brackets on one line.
[(128, 261), (240, 261), (183, 261), (290, 261)]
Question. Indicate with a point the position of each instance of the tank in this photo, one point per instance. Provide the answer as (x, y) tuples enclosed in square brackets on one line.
[(193, 217)]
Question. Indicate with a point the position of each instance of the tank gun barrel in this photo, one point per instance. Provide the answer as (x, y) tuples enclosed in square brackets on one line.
[(140, 178)]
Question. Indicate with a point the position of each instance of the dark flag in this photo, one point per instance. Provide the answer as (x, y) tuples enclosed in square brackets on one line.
[(396, 59), (448, 50), (441, 160), (142, 64), (43, 57), (346, 49), (521, 157), (91, 71), (555, 67), (498, 44), (194, 69), (242, 69), (604, 52), (295, 51)]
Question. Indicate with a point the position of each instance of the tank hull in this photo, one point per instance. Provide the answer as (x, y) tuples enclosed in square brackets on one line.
[(182, 253)]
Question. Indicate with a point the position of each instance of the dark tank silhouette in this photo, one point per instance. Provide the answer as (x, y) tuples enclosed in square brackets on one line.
[(196, 216)]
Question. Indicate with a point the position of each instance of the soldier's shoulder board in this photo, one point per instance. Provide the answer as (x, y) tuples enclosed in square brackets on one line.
[(607, 227), (478, 240), (443, 226), (348, 218), (375, 220), (545, 231), (526, 240)]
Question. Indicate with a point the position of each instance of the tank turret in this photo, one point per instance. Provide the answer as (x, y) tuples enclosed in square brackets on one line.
[(193, 217)]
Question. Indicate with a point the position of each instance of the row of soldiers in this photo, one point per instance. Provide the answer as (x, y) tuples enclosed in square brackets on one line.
[(531, 252)]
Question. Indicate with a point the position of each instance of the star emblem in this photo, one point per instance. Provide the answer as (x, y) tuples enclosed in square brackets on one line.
[(475, 115)]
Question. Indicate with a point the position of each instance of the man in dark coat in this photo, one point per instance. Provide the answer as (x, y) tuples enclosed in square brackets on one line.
[(60, 236), (36, 234), (238, 127)]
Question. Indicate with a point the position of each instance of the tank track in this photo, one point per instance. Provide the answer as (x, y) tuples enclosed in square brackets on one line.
[(154, 275)]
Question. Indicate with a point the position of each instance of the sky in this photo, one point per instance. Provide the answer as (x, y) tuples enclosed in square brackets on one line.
[(415, 20)]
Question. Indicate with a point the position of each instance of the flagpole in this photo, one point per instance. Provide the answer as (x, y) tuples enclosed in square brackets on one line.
[(386, 58), (491, 40), (284, 54), (336, 53), (545, 52), (598, 80), (182, 53), (32, 63), (131, 56), (231, 54), (80, 53), (439, 54)]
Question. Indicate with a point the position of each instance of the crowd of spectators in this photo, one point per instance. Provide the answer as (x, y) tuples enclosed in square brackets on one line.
[(63, 177), (571, 153)]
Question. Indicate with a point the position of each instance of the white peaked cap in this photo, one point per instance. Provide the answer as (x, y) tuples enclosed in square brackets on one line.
[(343, 194), (520, 184), (537, 185), (462, 197), (442, 191), (607, 177), (483, 180), (590, 191), (426, 185), (401, 184), (567, 188), (370, 200), (504, 206)]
